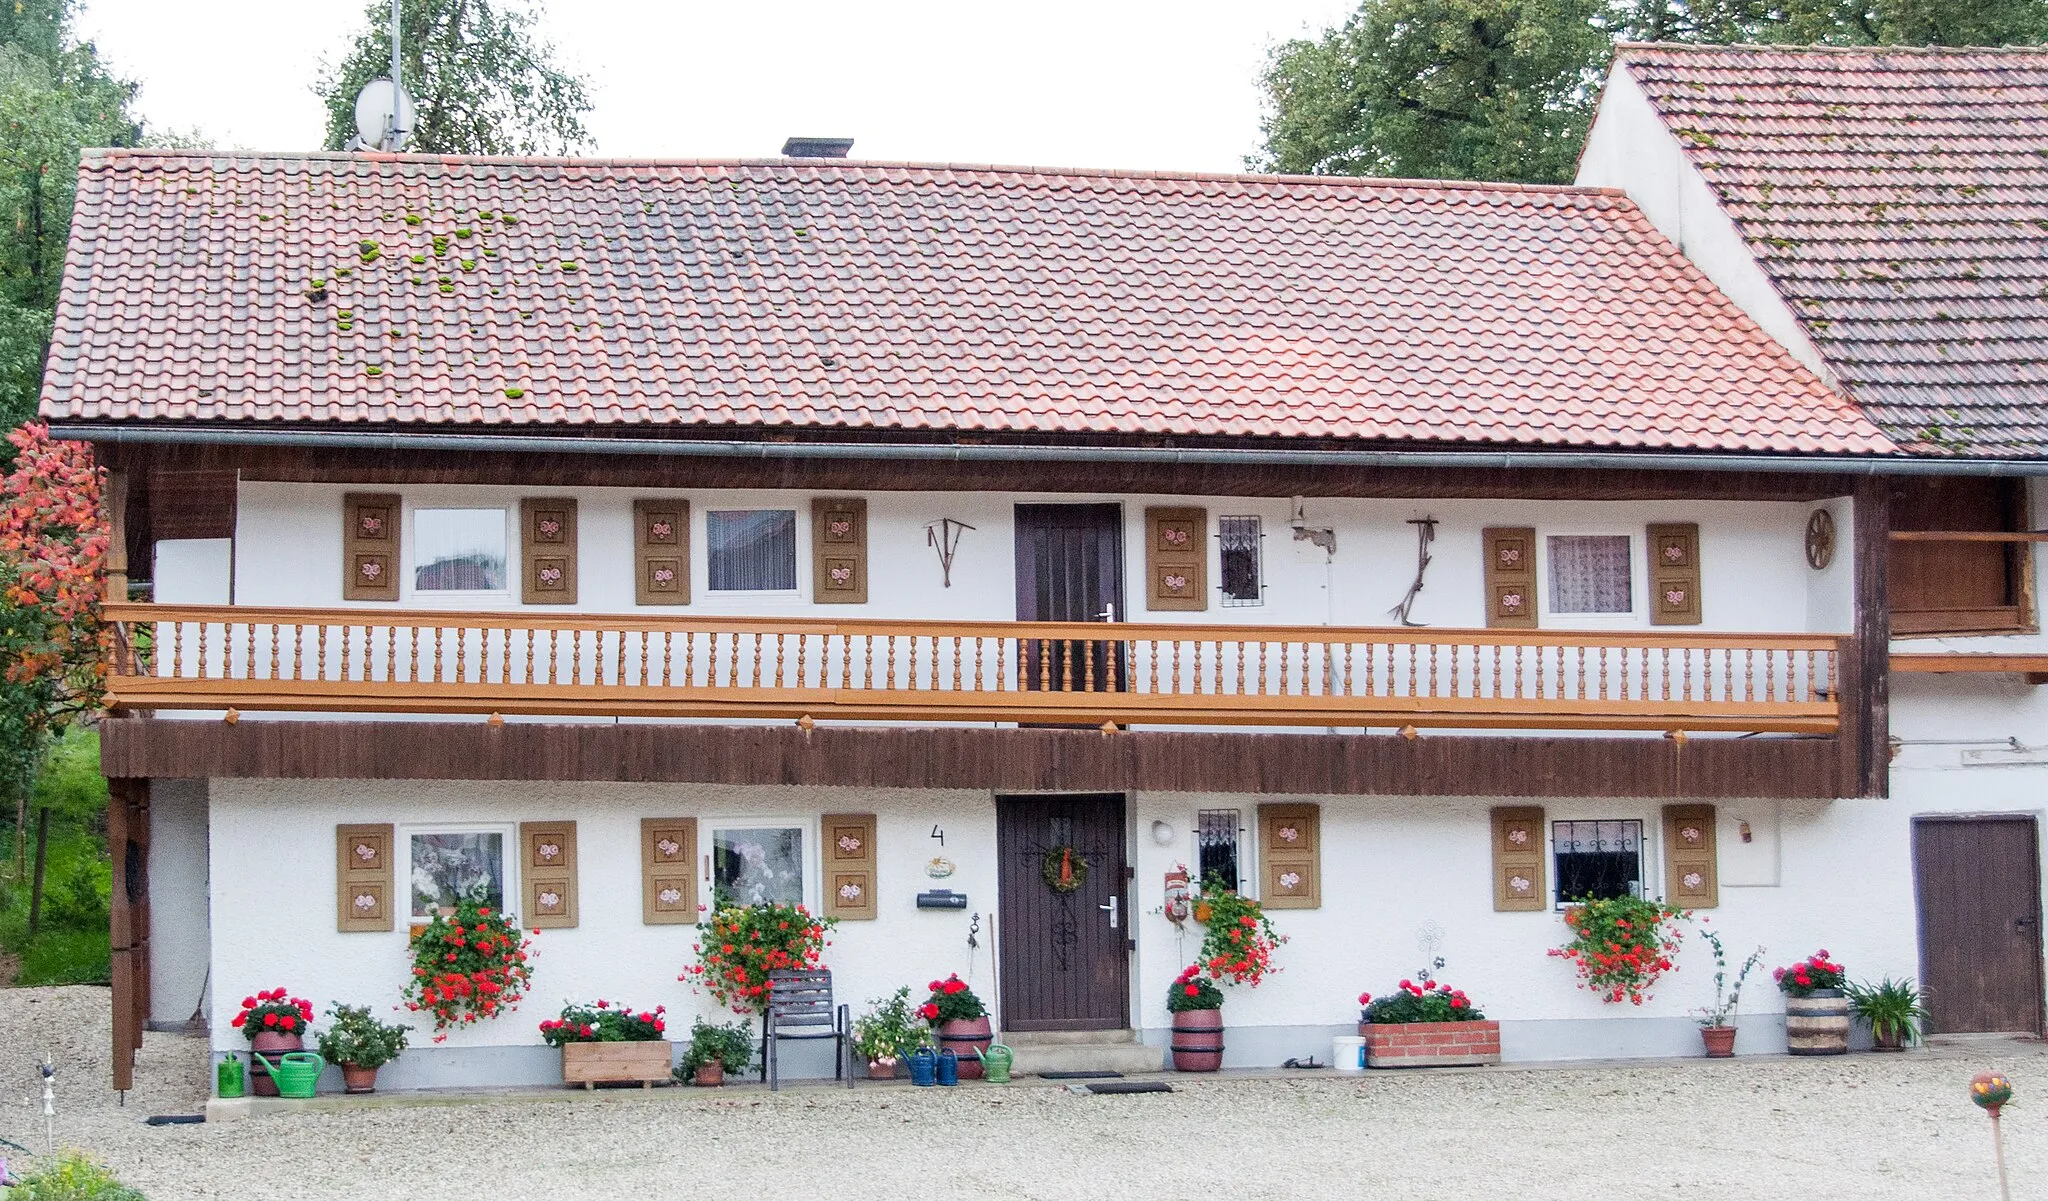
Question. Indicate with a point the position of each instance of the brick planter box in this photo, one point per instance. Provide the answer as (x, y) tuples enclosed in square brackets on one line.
[(1430, 1044), (590, 1064)]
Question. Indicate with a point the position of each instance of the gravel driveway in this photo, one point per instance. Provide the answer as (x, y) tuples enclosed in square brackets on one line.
[(1863, 1126)]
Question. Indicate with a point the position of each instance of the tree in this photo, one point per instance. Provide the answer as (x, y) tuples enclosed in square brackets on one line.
[(55, 97), (1504, 89), (480, 81)]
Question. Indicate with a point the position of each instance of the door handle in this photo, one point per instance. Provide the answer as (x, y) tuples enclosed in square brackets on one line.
[(1108, 612), (1111, 910)]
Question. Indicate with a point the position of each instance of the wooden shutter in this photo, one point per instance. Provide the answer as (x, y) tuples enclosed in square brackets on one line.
[(1290, 856), (668, 871), (661, 552), (363, 876), (850, 866), (1692, 877), (1520, 855), (839, 542), (547, 871), (369, 547), (547, 551), (1510, 577), (1177, 559), (1675, 574)]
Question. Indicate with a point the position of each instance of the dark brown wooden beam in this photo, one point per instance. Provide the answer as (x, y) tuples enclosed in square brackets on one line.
[(976, 758), (1866, 708)]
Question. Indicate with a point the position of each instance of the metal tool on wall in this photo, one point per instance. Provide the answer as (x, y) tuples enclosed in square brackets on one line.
[(1425, 533)]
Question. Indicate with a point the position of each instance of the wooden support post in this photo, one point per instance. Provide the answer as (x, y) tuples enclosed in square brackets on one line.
[(1866, 711), (128, 917), (116, 583)]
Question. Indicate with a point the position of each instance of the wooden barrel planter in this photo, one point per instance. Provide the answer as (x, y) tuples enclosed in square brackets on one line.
[(961, 1036), (1198, 1040), (1817, 1025), (271, 1046)]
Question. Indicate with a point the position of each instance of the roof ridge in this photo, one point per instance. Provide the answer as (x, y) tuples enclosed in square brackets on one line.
[(1786, 49), (108, 156)]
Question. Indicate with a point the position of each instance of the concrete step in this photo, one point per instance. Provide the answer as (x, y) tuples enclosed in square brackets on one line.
[(1124, 1056), (1065, 1038)]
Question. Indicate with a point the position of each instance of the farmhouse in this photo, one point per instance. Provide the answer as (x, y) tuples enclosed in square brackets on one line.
[(1413, 556)]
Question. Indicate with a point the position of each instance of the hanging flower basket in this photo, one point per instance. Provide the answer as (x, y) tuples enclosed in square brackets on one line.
[(1063, 869)]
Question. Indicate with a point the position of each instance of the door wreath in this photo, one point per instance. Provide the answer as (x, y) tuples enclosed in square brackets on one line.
[(1063, 869)]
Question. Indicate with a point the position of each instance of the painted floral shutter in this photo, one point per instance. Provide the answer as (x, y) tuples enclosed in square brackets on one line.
[(839, 540), (547, 551), (1290, 856), (1177, 559), (363, 879), (668, 871), (1692, 879), (1510, 577), (850, 866), (1520, 854), (1674, 574), (661, 552), (369, 547), (548, 874)]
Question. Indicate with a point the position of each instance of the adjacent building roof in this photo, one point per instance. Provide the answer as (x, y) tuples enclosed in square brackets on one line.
[(703, 296), (1898, 198)]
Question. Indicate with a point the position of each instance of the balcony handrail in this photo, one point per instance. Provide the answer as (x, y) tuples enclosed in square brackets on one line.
[(576, 663)]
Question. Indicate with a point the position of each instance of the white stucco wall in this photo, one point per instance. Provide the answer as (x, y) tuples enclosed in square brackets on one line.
[(194, 571), (179, 939), (1631, 148)]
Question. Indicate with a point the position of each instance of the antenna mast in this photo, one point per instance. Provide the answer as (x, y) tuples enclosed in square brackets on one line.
[(395, 138)]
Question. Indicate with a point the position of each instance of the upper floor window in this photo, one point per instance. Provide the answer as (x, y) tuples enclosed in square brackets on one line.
[(458, 550), (1589, 573), (1943, 584), (1243, 581), (751, 550)]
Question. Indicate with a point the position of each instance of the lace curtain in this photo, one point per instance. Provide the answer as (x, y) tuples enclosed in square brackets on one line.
[(1589, 573)]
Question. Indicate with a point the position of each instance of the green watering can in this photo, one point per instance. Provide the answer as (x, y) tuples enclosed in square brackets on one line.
[(296, 1072), (995, 1063)]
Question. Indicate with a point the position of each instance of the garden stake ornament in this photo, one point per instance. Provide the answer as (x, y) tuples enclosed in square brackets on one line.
[(1991, 1091)]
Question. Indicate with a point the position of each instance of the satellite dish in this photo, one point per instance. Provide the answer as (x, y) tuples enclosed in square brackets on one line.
[(382, 121)]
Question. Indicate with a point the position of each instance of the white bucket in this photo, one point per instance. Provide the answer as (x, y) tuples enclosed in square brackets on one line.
[(1347, 1053)]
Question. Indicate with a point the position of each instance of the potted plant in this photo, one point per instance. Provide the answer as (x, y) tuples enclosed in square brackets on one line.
[(1426, 1025), (738, 945), (1621, 945), (360, 1044), (1893, 1008), (886, 1033), (1717, 1021), (961, 1021), (1816, 1007), (607, 1042), (467, 967), (1197, 1008), (273, 1023), (717, 1049)]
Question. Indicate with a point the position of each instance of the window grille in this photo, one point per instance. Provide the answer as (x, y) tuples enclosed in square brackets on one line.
[(1218, 836), (751, 550), (1243, 578), (1589, 573), (1597, 860)]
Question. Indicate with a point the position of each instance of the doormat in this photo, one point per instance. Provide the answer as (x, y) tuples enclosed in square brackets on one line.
[(1120, 1087), (1080, 1075)]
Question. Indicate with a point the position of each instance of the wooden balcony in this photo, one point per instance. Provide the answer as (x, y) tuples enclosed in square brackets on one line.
[(385, 661)]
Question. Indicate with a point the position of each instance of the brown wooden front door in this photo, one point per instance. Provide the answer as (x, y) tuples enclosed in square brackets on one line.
[(1979, 886), (1070, 567), (1063, 964)]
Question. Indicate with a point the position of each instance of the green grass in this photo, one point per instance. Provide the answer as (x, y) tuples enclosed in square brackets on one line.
[(72, 1176), (71, 941)]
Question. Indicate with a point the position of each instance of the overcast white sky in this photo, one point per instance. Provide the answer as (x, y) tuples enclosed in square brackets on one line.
[(1097, 83)]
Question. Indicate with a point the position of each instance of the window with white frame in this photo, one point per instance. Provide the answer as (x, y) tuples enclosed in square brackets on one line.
[(1244, 581), (758, 864), (751, 550), (1589, 573), (458, 550), (1596, 860), (449, 865)]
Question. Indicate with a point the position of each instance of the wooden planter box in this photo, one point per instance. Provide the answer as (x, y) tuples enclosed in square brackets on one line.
[(591, 1064), (1430, 1044)]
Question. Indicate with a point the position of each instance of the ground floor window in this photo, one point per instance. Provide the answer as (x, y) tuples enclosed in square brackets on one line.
[(1219, 834), (754, 865), (1597, 860), (448, 866)]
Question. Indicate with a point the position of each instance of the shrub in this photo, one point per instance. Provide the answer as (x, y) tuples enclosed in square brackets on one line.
[(888, 1030), (1191, 990), (731, 1045), (1426, 1002), (72, 1176), (359, 1040), (604, 1022)]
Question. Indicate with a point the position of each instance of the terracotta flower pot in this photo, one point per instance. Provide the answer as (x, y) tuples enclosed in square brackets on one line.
[(709, 1075), (1720, 1041), (270, 1045), (356, 1079), (961, 1036), (1198, 1040), (881, 1069)]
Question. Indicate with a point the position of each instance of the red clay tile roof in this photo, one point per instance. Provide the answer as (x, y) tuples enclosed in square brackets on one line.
[(1898, 198), (496, 293)]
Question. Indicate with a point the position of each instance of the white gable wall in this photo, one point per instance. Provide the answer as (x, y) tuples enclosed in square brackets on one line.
[(1631, 148)]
